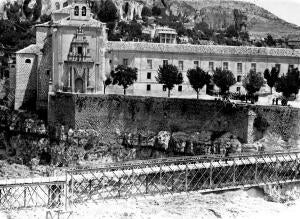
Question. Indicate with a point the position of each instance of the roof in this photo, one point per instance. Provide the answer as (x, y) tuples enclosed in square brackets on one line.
[(31, 49), (68, 22), (202, 49)]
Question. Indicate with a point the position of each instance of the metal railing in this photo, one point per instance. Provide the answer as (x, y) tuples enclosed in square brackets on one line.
[(185, 174), (150, 177)]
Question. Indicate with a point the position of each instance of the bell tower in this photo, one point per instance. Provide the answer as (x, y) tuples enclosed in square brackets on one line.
[(80, 10)]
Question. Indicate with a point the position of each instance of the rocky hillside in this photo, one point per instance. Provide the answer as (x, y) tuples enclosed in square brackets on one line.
[(259, 21)]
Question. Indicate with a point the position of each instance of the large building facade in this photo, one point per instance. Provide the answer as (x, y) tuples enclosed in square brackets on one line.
[(72, 54)]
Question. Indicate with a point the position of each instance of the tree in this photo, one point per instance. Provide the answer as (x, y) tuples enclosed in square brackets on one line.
[(146, 12), (156, 11), (106, 83), (169, 75), (270, 41), (231, 32), (271, 77), (108, 12), (198, 78), (224, 79), (124, 76), (253, 82), (288, 84)]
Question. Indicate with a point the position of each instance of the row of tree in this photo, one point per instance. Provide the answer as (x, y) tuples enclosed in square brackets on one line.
[(169, 76)]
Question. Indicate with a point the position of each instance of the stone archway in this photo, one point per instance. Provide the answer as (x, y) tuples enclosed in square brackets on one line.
[(79, 85)]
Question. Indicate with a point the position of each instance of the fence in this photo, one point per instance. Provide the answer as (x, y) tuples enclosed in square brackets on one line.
[(144, 178), (177, 175)]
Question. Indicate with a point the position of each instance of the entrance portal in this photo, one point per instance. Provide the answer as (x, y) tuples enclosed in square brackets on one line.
[(79, 85)]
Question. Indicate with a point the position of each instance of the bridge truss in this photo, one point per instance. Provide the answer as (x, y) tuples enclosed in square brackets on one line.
[(151, 177)]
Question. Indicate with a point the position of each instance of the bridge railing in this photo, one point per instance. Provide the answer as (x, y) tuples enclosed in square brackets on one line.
[(150, 177), (184, 174)]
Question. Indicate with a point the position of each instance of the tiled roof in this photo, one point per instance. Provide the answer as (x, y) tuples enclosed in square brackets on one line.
[(31, 49), (68, 22), (202, 49)]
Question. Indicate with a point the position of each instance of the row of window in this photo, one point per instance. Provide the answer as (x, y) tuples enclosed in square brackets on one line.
[(211, 65), (164, 88), (83, 11)]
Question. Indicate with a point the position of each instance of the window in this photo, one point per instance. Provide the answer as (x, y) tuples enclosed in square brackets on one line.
[(83, 11), (149, 75), (57, 5), (65, 4), (253, 67), (88, 51), (125, 62), (239, 78), (196, 64), (148, 87), (225, 65), (48, 72), (110, 61), (164, 88), (180, 65), (277, 66), (211, 66), (27, 61), (149, 64), (165, 62), (238, 89), (79, 50), (180, 88), (76, 11), (239, 68), (12, 66)]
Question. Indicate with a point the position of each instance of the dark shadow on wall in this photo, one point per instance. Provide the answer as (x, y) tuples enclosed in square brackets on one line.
[(29, 99)]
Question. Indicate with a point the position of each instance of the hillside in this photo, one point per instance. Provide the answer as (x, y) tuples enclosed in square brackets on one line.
[(259, 22)]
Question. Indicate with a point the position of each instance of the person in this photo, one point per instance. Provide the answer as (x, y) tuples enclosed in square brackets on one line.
[(273, 101), (277, 101)]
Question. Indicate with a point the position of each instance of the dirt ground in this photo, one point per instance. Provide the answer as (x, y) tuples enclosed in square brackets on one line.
[(235, 204)]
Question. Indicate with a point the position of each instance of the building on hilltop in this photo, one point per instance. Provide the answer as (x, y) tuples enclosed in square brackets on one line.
[(72, 54)]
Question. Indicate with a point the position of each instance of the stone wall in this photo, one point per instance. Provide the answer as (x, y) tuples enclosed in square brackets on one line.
[(111, 114)]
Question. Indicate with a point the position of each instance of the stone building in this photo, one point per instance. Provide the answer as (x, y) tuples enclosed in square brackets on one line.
[(72, 54)]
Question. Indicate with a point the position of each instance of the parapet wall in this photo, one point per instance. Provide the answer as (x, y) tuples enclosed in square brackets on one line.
[(110, 114)]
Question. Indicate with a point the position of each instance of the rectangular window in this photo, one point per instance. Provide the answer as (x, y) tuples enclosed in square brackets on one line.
[(149, 64), (277, 66), (180, 65), (79, 50), (196, 64), (148, 87), (225, 65), (253, 67), (165, 62), (211, 66), (164, 88), (239, 68), (149, 75), (110, 61), (125, 62), (239, 78), (180, 88)]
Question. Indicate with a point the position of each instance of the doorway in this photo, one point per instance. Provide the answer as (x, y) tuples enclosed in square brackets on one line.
[(79, 85)]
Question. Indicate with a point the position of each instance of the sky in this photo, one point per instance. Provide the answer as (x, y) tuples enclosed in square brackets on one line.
[(288, 10)]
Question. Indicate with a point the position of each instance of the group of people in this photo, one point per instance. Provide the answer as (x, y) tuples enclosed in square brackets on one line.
[(275, 101)]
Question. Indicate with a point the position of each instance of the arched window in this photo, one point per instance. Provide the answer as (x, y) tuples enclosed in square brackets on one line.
[(83, 11), (27, 61), (57, 5), (76, 11)]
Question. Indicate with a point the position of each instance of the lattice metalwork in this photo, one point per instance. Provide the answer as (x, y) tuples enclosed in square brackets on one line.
[(185, 174), (15, 196)]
